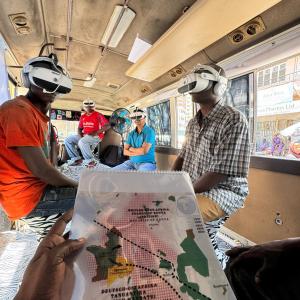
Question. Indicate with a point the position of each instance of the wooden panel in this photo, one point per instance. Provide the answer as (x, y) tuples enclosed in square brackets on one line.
[(164, 161), (203, 24), (276, 164), (270, 193)]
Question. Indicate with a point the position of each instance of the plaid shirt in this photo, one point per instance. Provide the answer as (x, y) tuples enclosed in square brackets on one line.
[(219, 143)]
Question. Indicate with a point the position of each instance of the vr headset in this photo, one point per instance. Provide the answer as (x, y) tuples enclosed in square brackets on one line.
[(46, 73), (138, 114), (88, 102), (202, 79)]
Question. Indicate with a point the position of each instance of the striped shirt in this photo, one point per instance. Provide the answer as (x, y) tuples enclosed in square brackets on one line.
[(219, 142)]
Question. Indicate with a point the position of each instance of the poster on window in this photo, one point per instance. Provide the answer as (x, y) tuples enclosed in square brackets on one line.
[(278, 100), (159, 120), (60, 114), (237, 95)]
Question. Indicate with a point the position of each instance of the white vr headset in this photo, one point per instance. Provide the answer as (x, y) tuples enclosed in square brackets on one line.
[(202, 79), (88, 102), (137, 115), (50, 81)]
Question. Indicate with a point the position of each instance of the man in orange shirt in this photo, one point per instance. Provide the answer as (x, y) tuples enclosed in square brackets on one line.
[(29, 184)]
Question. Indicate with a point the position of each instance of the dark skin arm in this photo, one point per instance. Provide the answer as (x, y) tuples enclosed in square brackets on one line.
[(37, 163), (54, 147), (44, 276), (104, 128), (80, 131), (207, 181), (177, 165)]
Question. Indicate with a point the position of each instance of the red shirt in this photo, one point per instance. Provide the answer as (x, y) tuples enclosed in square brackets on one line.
[(92, 122)]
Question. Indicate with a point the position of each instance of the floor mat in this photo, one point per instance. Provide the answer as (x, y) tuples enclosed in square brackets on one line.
[(16, 250)]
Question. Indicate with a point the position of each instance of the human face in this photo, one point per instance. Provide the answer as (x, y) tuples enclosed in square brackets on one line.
[(45, 98), (204, 97), (140, 122), (89, 109)]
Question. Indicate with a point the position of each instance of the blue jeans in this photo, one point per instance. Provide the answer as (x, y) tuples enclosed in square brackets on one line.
[(86, 145), (129, 165), (54, 201)]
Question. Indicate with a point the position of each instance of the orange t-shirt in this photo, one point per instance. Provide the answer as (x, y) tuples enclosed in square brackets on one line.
[(21, 124)]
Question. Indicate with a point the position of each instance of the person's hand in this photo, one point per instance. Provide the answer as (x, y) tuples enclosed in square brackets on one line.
[(44, 276), (271, 256)]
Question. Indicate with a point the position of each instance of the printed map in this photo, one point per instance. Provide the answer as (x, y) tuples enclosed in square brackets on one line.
[(148, 246)]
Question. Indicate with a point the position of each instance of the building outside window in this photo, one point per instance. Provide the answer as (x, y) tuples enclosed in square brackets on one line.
[(159, 119), (184, 113), (278, 110), (271, 75)]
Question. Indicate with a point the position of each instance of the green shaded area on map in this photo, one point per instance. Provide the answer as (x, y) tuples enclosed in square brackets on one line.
[(136, 294), (164, 264), (106, 256), (157, 202), (193, 257), (172, 198)]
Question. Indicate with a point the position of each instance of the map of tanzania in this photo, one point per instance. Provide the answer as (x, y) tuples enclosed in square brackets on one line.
[(145, 246)]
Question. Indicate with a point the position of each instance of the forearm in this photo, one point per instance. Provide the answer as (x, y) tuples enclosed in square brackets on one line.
[(128, 152), (207, 181), (52, 176), (103, 129), (177, 165), (79, 131), (137, 151)]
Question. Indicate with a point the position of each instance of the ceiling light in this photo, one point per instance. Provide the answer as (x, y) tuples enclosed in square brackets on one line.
[(89, 81), (138, 49), (124, 22)]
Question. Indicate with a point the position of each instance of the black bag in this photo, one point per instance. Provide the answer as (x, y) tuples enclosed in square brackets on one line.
[(112, 156)]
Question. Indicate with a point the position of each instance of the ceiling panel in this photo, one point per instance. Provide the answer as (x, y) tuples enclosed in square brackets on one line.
[(88, 21)]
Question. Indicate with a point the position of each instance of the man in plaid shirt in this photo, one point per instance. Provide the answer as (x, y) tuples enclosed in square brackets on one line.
[(216, 152)]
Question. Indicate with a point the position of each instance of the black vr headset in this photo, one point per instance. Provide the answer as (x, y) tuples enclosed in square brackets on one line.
[(46, 73), (202, 79)]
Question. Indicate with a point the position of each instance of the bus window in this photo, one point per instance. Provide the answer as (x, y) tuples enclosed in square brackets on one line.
[(159, 119), (278, 110), (65, 128), (184, 113)]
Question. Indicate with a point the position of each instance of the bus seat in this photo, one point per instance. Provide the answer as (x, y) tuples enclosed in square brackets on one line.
[(110, 138)]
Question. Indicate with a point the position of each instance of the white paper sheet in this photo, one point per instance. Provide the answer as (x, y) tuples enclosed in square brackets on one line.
[(145, 239)]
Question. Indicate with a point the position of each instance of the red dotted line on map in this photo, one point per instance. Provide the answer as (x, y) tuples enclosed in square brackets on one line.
[(151, 270)]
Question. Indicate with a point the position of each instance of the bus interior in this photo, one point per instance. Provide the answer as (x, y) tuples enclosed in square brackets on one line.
[(127, 54)]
